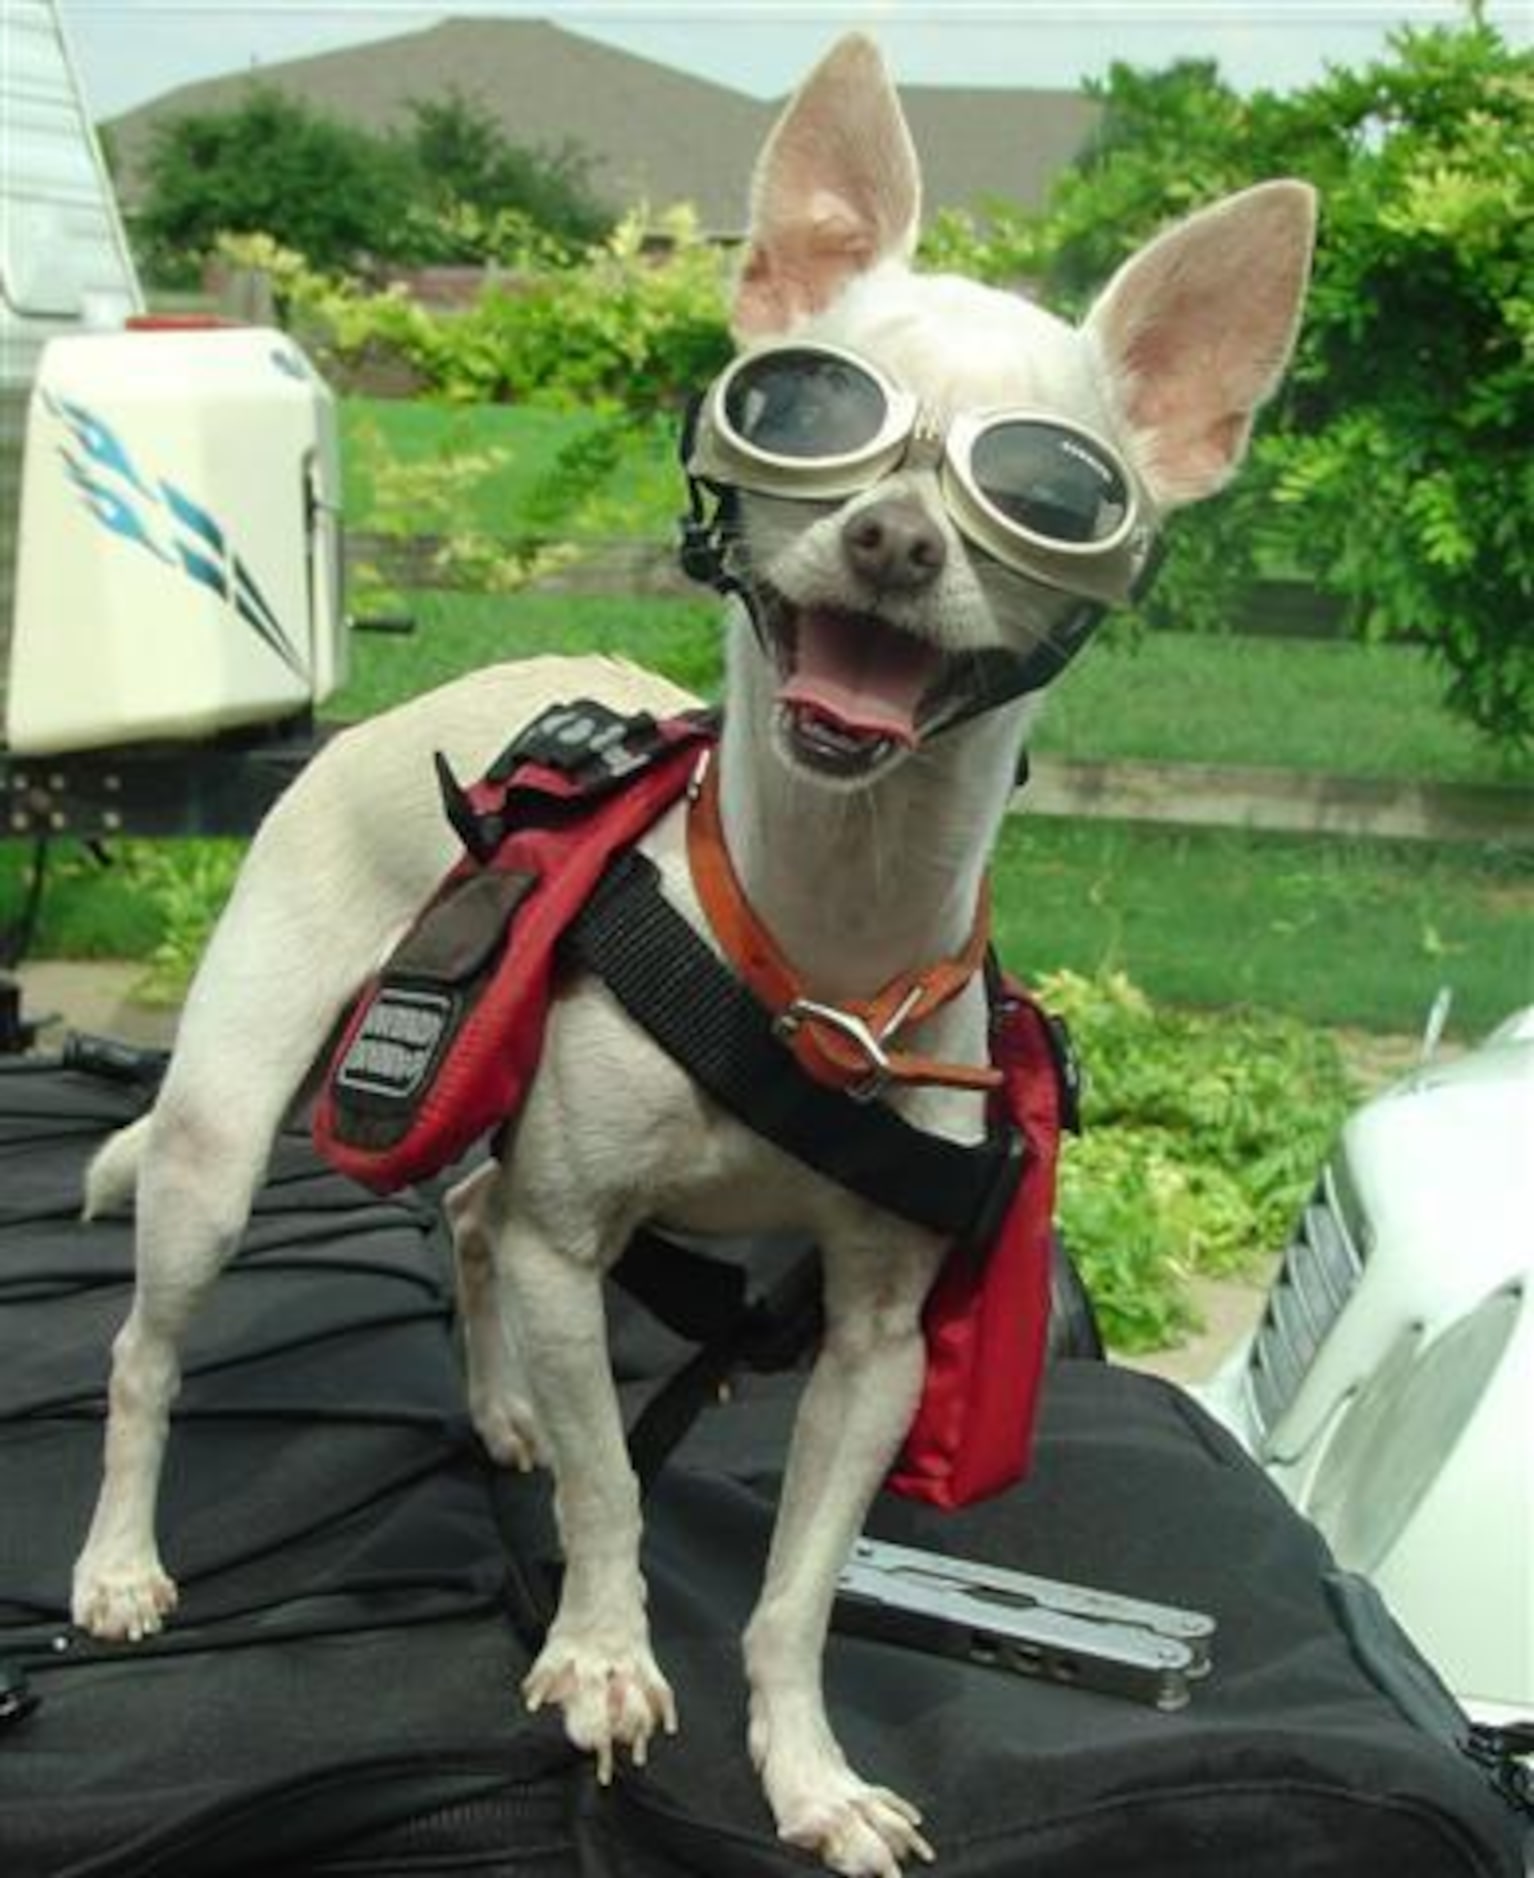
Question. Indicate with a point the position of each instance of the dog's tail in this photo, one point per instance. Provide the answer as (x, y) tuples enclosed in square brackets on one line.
[(112, 1177)]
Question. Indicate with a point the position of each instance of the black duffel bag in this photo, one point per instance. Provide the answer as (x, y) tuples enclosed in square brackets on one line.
[(362, 1593)]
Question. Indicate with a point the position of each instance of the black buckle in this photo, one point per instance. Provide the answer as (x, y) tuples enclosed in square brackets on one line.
[(700, 553), (586, 741), (583, 739)]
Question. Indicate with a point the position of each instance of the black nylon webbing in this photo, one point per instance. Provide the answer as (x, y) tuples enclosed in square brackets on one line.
[(676, 989)]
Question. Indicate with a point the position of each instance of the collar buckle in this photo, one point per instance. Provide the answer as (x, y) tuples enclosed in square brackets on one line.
[(849, 1026), (846, 1049)]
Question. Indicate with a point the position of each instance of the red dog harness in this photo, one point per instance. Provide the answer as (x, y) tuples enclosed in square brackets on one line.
[(441, 1047)]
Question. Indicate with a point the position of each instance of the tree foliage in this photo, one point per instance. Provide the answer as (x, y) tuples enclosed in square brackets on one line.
[(1395, 469), (270, 166), (466, 163), (449, 187)]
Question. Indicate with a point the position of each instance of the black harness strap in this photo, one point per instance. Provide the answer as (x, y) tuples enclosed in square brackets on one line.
[(736, 1324), (678, 991)]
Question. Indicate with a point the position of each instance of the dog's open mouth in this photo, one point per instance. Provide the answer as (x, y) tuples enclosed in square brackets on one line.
[(852, 688)]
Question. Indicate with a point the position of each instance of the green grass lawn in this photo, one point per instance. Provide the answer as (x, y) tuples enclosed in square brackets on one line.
[(459, 632), (1337, 932), (526, 441), (1307, 704)]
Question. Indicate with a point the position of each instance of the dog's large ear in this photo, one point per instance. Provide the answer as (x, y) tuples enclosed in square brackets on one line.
[(1195, 330), (836, 189)]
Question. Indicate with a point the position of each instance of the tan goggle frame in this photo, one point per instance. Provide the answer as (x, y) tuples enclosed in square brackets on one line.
[(910, 438)]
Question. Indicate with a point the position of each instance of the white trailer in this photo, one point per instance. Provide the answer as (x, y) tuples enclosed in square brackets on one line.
[(170, 553), (64, 260)]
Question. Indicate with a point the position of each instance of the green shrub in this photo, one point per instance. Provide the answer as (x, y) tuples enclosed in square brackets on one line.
[(1203, 1134), (619, 327), (431, 500), (185, 885)]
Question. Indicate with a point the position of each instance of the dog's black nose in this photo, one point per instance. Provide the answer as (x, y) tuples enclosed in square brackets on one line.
[(894, 545)]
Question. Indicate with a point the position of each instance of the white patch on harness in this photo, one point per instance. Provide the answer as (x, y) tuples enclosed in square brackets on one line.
[(397, 1044)]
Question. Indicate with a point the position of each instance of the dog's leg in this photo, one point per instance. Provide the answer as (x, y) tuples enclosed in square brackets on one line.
[(596, 1662), (248, 1035), (499, 1399), (855, 1412), (203, 1160)]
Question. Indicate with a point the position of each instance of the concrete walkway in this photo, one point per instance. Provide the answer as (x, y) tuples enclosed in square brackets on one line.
[(1230, 1309), (92, 995), (1228, 795)]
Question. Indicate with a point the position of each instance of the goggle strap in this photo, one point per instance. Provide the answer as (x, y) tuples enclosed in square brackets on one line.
[(687, 439), (1145, 579), (999, 676), (1008, 675), (701, 546), (701, 549)]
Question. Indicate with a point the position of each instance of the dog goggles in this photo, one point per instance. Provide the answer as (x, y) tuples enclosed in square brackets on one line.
[(1043, 497)]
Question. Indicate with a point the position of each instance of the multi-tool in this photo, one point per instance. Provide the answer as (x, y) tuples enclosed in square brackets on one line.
[(1008, 1620)]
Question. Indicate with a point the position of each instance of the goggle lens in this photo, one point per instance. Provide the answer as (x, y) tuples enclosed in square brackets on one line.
[(808, 405), (1049, 481)]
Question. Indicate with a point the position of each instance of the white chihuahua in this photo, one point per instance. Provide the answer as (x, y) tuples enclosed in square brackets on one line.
[(942, 485)]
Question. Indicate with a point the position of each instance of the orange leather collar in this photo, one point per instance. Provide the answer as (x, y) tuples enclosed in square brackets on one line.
[(850, 1046)]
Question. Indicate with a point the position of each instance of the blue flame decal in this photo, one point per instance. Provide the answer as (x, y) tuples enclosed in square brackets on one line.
[(207, 573), (100, 442), (198, 520), (122, 501), (111, 508)]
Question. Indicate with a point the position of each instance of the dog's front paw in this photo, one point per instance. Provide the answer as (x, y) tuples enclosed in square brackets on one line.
[(613, 1696), (863, 1831), (823, 1807), (123, 1603)]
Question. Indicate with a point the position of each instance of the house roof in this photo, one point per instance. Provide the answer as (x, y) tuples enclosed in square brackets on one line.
[(1009, 144), (652, 133)]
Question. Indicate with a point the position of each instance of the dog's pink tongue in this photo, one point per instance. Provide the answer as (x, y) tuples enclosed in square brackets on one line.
[(867, 679)]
